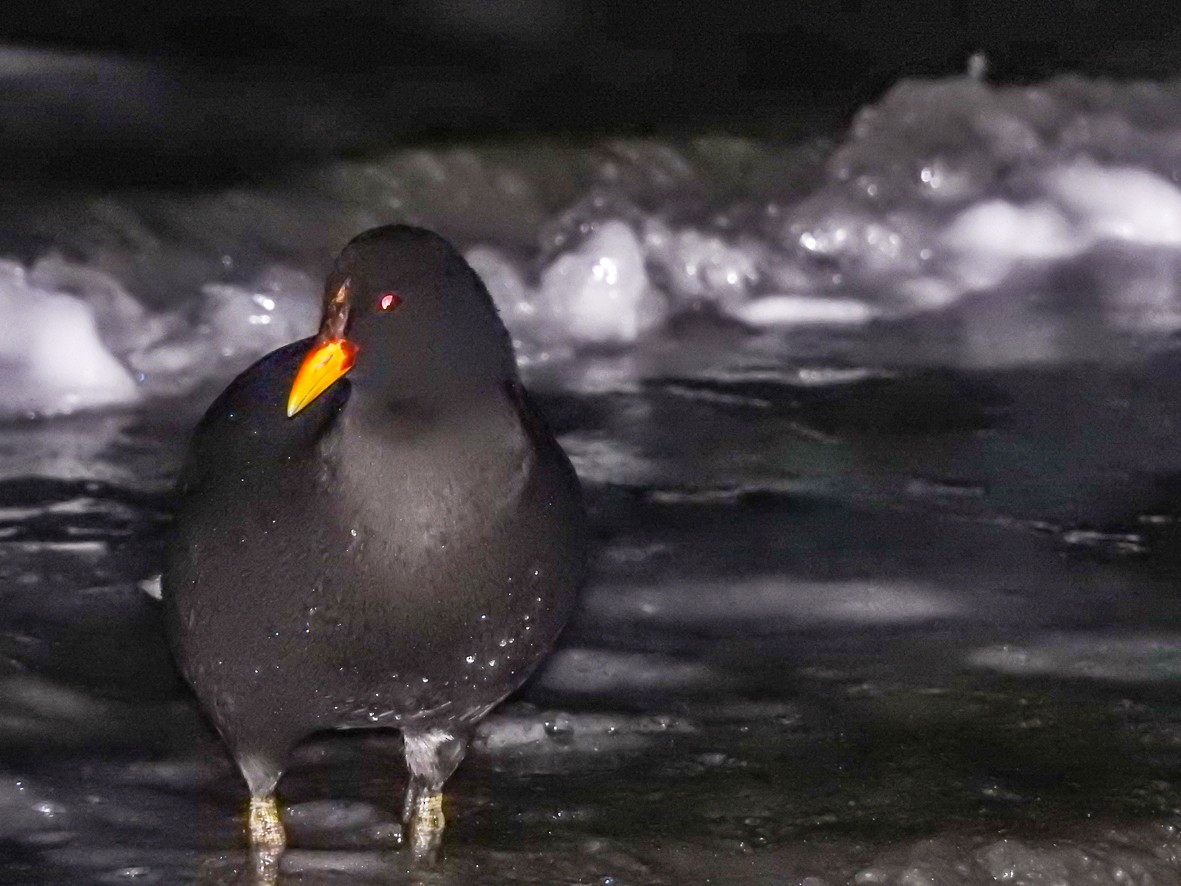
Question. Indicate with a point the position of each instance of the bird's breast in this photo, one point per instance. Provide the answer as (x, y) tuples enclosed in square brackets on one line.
[(421, 499), (392, 571)]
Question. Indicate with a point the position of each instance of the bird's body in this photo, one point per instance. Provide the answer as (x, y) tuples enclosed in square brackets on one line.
[(400, 553)]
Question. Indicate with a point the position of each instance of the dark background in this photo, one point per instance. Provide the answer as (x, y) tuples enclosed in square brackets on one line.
[(186, 89)]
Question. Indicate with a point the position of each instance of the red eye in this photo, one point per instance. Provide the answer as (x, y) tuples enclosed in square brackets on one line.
[(389, 301)]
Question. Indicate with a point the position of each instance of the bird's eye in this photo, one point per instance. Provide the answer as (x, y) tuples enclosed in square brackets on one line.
[(389, 301)]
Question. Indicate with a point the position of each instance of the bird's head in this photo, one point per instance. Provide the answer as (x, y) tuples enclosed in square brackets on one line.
[(405, 316)]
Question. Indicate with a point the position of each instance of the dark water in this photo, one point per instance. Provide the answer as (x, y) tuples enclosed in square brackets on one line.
[(902, 626)]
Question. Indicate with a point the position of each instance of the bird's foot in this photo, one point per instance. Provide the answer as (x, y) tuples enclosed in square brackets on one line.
[(426, 826), (266, 829)]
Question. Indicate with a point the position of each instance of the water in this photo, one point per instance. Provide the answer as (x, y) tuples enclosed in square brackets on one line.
[(878, 435)]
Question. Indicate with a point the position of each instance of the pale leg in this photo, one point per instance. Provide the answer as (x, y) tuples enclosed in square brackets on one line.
[(266, 829), (263, 824), (431, 757)]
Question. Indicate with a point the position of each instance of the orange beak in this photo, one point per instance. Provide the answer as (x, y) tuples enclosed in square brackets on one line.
[(324, 365)]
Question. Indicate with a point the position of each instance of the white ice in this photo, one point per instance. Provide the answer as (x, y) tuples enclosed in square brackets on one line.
[(247, 321), (53, 358), (941, 193), (804, 310), (76, 339), (600, 293), (989, 238), (700, 267)]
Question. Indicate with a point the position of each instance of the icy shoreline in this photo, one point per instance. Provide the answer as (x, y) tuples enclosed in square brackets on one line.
[(1054, 204)]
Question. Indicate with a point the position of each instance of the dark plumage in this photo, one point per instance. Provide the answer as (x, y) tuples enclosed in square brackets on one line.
[(402, 552)]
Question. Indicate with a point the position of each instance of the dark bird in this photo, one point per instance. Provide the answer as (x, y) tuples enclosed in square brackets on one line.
[(399, 548)]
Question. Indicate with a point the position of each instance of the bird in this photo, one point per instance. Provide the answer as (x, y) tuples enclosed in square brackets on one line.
[(375, 528)]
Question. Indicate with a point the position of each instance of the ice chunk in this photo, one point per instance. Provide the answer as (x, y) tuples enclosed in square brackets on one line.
[(1120, 203), (596, 294), (802, 310), (699, 266), (537, 336), (281, 306), (124, 324), (599, 293), (990, 238), (1005, 230), (944, 141), (832, 229), (51, 351), (235, 325), (1116, 857), (79, 336), (941, 190)]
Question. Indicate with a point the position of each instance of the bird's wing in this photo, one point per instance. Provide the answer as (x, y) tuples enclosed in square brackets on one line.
[(537, 430), (248, 424)]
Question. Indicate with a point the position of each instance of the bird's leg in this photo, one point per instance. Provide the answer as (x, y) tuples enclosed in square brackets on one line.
[(431, 757), (266, 829), (267, 839), (263, 825), (262, 820)]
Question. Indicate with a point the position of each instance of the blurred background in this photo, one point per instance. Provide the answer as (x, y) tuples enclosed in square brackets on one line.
[(202, 88), (859, 321)]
